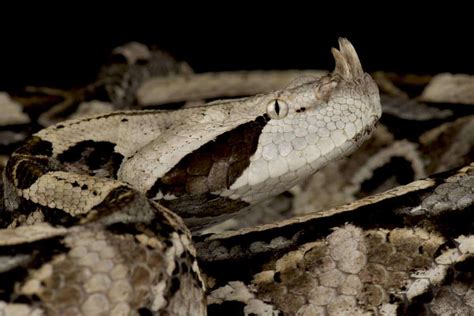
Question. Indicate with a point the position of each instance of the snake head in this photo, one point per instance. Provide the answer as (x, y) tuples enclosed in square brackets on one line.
[(217, 159), (311, 123), (350, 76)]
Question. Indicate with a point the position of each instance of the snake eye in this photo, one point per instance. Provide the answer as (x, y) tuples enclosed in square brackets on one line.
[(277, 109)]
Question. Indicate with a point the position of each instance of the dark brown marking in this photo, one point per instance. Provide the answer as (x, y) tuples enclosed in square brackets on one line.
[(23, 171), (53, 216), (94, 156), (235, 170), (199, 164), (240, 153), (58, 217), (218, 168), (215, 165), (35, 146), (116, 200), (38, 253), (175, 285), (174, 177), (159, 227), (222, 152), (29, 162), (197, 184)]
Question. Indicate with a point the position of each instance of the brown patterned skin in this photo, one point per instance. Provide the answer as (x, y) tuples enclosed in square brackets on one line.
[(406, 251), (396, 256), (100, 179), (120, 269), (213, 167)]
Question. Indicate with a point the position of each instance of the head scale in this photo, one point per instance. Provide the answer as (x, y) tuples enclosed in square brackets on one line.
[(310, 123), (264, 145)]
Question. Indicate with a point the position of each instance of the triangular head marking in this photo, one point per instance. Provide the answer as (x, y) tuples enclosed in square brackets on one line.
[(215, 165), (95, 155)]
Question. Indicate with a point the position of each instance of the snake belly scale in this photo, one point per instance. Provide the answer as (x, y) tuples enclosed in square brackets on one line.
[(100, 209)]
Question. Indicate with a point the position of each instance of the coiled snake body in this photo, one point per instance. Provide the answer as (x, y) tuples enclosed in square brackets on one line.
[(99, 209)]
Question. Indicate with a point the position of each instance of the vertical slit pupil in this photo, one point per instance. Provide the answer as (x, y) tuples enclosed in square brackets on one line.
[(277, 107)]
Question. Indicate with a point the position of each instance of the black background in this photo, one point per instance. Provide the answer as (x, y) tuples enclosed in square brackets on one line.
[(66, 48)]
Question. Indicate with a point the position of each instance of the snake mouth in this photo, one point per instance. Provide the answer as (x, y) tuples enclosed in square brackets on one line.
[(348, 65)]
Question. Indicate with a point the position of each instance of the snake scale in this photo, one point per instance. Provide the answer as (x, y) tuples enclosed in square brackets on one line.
[(216, 208)]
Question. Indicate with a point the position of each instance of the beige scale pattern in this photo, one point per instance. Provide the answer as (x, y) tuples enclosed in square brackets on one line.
[(357, 271), (321, 120), (103, 274), (315, 121)]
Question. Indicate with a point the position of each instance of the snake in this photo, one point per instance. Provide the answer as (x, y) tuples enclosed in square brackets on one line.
[(119, 213)]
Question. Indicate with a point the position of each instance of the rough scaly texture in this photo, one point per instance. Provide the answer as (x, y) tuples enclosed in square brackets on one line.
[(101, 178)]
